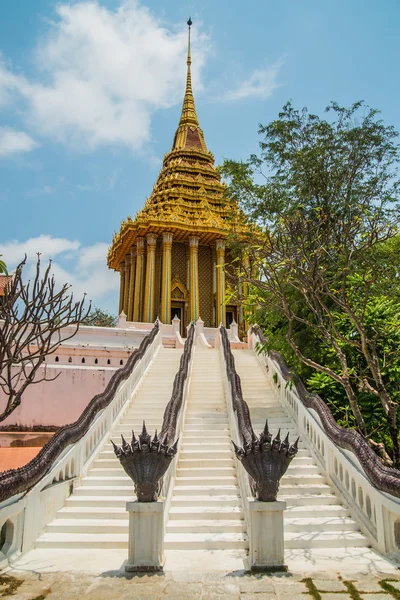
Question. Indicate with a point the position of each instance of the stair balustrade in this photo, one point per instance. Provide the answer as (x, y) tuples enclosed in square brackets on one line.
[(151, 464), (265, 460), (31, 495), (369, 489)]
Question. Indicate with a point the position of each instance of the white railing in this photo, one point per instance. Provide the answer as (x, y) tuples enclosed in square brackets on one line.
[(23, 517), (376, 512), (241, 473)]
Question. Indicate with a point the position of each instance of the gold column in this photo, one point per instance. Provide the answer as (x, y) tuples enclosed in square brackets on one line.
[(132, 284), (139, 280), (166, 278), (194, 278), (245, 290), (127, 278), (121, 287), (220, 247), (148, 316)]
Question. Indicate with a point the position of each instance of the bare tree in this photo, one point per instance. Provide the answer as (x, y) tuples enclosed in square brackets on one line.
[(35, 318)]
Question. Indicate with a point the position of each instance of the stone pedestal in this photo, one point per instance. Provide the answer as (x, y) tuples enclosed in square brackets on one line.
[(122, 320), (176, 325), (146, 536), (266, 552), (234, 329)]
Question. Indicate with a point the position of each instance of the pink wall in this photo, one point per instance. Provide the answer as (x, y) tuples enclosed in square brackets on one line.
[(61, 401)]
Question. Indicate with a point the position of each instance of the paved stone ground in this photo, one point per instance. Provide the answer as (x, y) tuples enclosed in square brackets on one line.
[(22, 585)]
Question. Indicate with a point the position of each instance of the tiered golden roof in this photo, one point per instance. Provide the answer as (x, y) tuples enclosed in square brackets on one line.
[(188, 198)]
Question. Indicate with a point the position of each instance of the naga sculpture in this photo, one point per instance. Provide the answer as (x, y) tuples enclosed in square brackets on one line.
[(17, 481), (266, 461), (146, 460)]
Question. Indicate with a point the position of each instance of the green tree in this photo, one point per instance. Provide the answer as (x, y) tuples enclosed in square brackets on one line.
[(322, 197), (100, 318), (3, 267)]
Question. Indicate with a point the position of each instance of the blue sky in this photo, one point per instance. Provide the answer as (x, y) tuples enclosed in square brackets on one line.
[(90, 96)]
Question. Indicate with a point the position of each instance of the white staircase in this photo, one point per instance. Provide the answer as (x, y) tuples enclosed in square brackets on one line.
[(95, 514), (314, 517), (206, 509)]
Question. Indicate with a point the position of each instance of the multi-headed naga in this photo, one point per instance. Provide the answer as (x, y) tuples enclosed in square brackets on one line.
[(146, 461), (266, 460)]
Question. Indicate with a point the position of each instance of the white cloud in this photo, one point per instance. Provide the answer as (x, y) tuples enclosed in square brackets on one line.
[(102, 74), (261, 83), (15, 142), (13, 252), (84, 268)]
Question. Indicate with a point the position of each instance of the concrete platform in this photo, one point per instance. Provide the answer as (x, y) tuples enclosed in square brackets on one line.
[(346, 561)]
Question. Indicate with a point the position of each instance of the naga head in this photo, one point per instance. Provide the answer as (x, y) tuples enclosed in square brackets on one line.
[(266, 460), (145, 460)]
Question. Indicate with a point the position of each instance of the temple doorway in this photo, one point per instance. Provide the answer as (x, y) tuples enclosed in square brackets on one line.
[(177, 310), (230, 315)]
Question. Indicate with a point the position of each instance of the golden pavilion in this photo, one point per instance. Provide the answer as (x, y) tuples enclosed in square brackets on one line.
[(172, 257)]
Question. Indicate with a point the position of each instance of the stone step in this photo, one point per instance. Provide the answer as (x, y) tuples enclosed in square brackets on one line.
[(204, 501), (305, 498), (106, 481), (302, 511), (325, 524), (93, 512), (287, 489), (200, 445), (191, 513), (99, 501), (292, 477), (217, 419), (204, 427), (211, 471), (206, 480), (321, 539), (206, 490), (206, 526), (204, 463), (94, 490), (89, 526), (206, 437), (205, 541), (111, 462), (83, 541)]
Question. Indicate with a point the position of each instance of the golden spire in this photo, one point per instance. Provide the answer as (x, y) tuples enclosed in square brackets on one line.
[(188, 116)]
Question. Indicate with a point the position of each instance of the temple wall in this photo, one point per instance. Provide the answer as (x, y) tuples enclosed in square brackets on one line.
[(56, 403), (179, 261)]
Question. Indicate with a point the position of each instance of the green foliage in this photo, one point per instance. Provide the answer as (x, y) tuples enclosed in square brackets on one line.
[(3, 268), (325, 256), (100, 318)]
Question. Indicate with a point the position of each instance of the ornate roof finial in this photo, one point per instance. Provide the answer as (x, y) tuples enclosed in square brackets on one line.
[(189, 58), (189, 116)]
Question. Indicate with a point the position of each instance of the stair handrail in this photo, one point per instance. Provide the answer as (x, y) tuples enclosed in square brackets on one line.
[(263, 458), (370, 489), (232, 389), (148, 460), (20, 480), (174, 415)]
